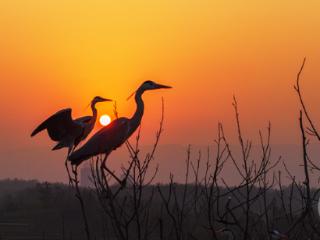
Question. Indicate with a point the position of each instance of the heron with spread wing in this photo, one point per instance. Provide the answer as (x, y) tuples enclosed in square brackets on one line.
[(116, 133), (67, 132)]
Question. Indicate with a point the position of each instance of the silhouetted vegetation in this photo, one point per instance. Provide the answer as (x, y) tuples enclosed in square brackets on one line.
[(51, 212), (204, 206)]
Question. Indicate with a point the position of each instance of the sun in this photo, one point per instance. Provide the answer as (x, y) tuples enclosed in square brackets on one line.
[(105, 120)]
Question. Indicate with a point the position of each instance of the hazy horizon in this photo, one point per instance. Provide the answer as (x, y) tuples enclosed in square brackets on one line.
[(57, 54), (169, 157)]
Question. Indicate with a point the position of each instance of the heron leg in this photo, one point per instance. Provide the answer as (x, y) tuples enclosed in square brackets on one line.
[(103, 166), (75, 170), (67, 168), (71, 180)]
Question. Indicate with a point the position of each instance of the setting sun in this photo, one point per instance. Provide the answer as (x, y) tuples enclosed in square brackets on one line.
[(105, 120)]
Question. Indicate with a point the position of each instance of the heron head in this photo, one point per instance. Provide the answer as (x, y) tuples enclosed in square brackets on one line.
[(100, 99), (150, 85)]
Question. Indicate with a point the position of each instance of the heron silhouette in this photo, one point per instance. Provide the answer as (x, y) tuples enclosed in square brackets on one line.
[(67, 132), (112, 136)]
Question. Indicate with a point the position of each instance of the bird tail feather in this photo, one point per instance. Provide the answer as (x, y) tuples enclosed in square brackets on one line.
[(59, 146), (76, 158)]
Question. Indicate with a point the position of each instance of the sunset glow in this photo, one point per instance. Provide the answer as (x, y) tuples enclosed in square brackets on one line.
[(109, 108), (60, 54), (105, 120)]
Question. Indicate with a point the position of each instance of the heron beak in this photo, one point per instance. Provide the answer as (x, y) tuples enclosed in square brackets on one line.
[(162, 86), (105, 100)]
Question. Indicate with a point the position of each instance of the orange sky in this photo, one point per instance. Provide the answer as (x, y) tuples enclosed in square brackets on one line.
[(56, 54)]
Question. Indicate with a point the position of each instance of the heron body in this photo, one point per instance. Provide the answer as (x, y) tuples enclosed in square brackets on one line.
[(67, 132), (117, 132)]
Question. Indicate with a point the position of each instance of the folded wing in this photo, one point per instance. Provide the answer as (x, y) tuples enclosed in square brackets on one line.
[(83, 120), (104, 141)]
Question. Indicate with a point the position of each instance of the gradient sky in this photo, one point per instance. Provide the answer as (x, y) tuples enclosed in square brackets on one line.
[(56, 54)]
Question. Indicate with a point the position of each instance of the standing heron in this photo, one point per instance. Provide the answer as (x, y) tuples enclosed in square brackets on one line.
[(67, 132), (116, 133)]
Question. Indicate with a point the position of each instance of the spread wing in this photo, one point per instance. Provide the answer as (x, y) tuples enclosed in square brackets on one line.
[(82, 120), (104, 141), (59, 125)]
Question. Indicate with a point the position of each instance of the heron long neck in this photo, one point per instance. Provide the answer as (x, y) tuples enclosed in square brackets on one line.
[(136, 118), (87, 127), (94, 113)]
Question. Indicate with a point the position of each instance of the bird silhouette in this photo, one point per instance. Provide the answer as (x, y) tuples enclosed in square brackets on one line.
[(67, 132), (116, 133)]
